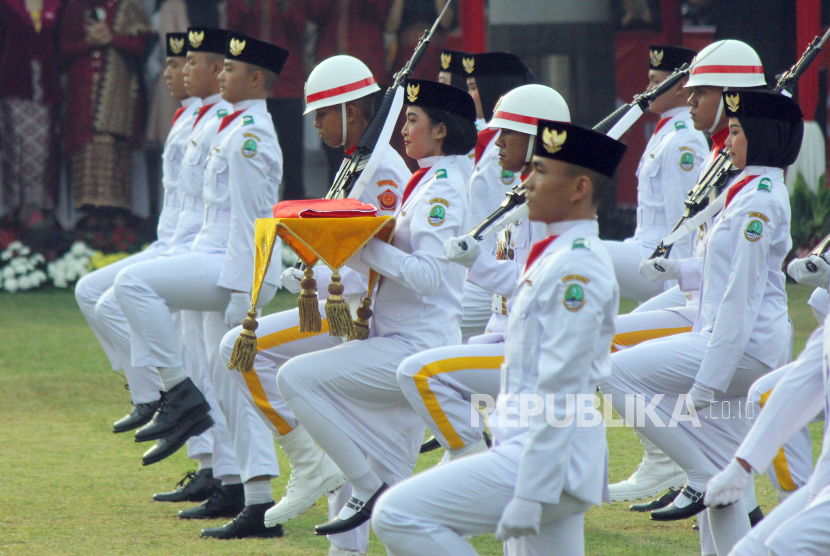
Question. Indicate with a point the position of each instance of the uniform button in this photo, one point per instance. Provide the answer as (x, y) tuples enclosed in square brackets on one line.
[(96, 54), (688, 296)]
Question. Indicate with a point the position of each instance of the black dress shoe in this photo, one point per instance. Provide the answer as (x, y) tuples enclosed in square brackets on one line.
[(673, 513), (248, 524), (364, 513), (169, 445), (195, 487), (138, 417), (656, 504), (430, 445), (180, 409), (755, 516), (227, 501)]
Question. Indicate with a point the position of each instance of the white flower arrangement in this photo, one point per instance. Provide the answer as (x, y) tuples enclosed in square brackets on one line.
[(72, 266), (22, 271)]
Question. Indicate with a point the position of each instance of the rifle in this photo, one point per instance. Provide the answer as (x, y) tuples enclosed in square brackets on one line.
[(712, 183), (346, 180)]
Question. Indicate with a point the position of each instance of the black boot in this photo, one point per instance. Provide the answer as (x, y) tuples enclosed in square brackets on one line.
[(755, 516), (430, 445), (138, 417), (179, 409), (656, 504), (250, 523), (227, 501), (364, 513), (195, 487), (673, 513)]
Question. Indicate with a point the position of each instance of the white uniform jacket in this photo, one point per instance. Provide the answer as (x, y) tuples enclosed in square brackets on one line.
[(242, 180), (668, 170), (419, 297), (385, 191), (558, 342), (171, 175), (194, 161), (499, 273), (743, 301)]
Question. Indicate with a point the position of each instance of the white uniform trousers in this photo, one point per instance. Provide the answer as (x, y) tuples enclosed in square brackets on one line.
[(640, 326), (627, 256), (96, 287), (439, 384), (476, 305), (432, 512), (671, 298), (793, 464), (147, 294), (805, 534)]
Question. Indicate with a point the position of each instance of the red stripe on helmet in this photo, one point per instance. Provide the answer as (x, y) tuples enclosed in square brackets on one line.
[(502, 115), (340, 90), (727, 69)]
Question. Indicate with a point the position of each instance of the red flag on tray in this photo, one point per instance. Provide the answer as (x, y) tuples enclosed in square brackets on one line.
[(324, 208)]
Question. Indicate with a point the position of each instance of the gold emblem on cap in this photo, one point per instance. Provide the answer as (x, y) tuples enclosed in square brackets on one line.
[(656, 57), (237, 46), (469, 64), (553, 140), (732, 102), (446, 58), (412, 92), (196, 38), (176, 45)]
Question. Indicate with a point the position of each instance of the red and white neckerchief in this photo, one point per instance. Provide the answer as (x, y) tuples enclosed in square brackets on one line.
[(537, 249)]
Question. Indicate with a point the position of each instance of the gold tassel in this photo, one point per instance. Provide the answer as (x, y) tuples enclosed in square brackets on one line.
[(245, 347), (361, 323), (309, 311), (337, 310)]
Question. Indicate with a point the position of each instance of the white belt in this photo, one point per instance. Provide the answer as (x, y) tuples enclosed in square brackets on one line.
[(216, 214), (499, 304), (191, 203)]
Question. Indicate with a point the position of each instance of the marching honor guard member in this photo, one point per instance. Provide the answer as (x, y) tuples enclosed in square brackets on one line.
[(242, 180), (489, 77), (668, 170), (741, 331), (347, 397), (340, 88), (534, 487), (439, 382)]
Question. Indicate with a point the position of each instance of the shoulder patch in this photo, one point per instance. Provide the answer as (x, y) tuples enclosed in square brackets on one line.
[(221, 113), (246, 120), (679, 125), (390, 183), (249, 148), (388, 200), (765, 184), (507, 177), (439, 200), (581, 243), (441, 174), (574, 297), (252, 136), (437, 215), (754, 230), (572, 277), (759, 215), (687, 161)]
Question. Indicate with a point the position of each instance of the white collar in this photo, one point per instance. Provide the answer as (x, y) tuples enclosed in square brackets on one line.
[(190, 101), (674, 112), (559, 228), (212, 99), (429, 161), (246, 104), (759, 170)]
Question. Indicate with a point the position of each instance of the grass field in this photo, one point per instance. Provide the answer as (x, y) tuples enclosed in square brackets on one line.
[(68, 485)]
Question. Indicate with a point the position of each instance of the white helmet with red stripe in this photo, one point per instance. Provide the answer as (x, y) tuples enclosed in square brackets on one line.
[(337, 80), (523, 107), (727, 63)]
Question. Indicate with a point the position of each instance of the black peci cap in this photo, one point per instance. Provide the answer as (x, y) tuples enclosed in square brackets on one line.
[(206, 39), (669, 58), (429, 94), (450, 61), (579, 146), (258, 53), (761, 104), (176, 45), (493, 63)]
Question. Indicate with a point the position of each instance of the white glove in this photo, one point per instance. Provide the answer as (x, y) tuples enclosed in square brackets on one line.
[(237, 309), (291, 278), (521, 517), (462, 250), (727, 487), (799, 271), (701, 395), (660, 269)]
